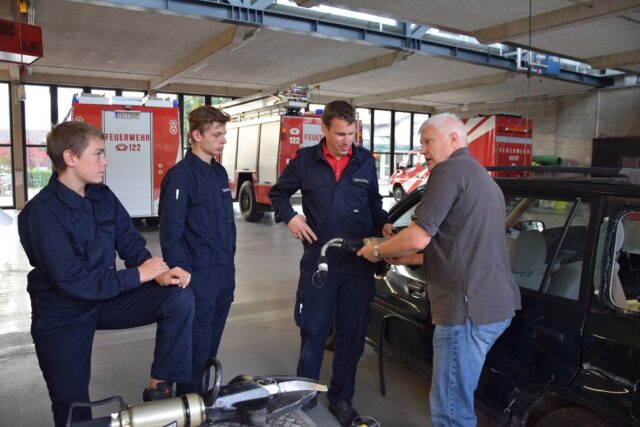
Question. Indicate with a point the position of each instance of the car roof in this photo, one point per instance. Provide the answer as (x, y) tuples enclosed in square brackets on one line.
[(565, 181), (611, 181), (573, 186)]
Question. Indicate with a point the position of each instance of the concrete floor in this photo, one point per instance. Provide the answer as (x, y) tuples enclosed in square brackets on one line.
[(260, 338)]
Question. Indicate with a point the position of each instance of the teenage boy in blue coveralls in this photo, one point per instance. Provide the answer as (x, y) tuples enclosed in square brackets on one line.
[(340, 198), (70, 232), (198, 233)]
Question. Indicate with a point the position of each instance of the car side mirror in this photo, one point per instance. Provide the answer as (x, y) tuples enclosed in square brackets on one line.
[(399, 166)]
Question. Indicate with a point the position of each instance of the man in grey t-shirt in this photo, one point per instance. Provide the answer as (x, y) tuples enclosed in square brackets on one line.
[(460, 227)]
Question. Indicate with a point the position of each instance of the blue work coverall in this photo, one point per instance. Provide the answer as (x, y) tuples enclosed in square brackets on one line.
[(75, 290), (349, 208), (198, 234)]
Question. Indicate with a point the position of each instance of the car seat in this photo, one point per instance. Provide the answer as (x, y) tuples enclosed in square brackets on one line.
[(527, 254), (616, 292)]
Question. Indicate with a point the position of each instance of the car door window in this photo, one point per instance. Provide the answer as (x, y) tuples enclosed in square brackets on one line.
[(406, 218), (624, 289), (545, 241)]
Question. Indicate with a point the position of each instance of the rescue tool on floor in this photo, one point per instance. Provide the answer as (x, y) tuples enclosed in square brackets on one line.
[(245, 399)]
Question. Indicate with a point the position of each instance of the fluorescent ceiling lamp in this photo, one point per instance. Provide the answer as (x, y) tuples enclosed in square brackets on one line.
[(343, 12)]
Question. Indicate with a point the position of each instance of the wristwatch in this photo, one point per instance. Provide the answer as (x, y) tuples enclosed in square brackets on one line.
[(376, 251)]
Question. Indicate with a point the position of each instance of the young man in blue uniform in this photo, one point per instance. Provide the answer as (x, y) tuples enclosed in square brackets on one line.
[(71, 231), (340, 198), (198, 233)]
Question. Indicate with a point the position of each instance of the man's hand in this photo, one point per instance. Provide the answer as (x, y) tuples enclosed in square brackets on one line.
[(388, 230), (300, 230), (174, 277), (367, 252), (152, 268)]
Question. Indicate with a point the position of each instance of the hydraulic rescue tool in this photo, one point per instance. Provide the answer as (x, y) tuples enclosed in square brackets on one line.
[(245, 399), (352, 245)]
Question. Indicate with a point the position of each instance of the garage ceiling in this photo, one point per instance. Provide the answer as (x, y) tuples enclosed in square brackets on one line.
[(88, 42)]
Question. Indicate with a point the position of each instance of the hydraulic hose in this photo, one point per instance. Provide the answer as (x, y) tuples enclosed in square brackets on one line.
[(352, 245)]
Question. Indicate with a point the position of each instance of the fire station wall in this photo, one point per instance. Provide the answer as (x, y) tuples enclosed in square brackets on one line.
[(565, 126)]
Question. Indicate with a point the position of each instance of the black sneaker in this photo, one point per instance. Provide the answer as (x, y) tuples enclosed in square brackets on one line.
[(344, 412), (163, 390), (310, 404)]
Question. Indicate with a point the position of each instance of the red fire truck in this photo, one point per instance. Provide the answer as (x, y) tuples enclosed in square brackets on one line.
[(264, 134), (499, 140), (142, 141)]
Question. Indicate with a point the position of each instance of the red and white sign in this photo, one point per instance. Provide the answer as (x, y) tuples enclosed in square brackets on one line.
[(141, 144), (21, 43)]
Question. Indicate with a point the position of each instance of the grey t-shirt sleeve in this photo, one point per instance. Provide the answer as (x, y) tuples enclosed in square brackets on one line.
[(438, 198)]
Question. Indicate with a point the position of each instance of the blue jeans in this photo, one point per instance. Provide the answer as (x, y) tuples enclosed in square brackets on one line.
[(459, 352)]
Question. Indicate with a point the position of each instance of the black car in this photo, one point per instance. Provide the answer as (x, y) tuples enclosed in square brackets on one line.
[(572, 354)]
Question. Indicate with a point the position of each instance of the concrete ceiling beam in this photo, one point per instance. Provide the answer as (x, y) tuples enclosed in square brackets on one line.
[(554, 19), (351, 69), (308, 3), (615, 60), (487, 80), (195, 58)]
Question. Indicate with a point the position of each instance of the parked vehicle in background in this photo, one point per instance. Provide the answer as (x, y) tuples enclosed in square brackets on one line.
[(6, 183), (571, 356), (499, 140)]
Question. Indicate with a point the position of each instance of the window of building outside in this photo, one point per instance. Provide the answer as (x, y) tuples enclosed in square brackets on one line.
[(37, 119), (219, 100), (133, 93), (170, 96), (364, 115), (6, 158), (191, 102), (402, 136), (418, 120), (107, 93), (65, 99), (382, 147)]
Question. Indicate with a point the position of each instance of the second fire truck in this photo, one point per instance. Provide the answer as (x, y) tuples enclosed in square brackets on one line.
[(497, 140)]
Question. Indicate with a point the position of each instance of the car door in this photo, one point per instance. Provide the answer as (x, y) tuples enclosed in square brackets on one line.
[(400, 314), (610, 373), (547, 238)]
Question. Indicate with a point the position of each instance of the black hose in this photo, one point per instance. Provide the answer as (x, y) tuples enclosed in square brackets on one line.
[(211, 395), (100, 421)]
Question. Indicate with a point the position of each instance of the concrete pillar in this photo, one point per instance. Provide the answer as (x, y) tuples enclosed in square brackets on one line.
[(17, 137)]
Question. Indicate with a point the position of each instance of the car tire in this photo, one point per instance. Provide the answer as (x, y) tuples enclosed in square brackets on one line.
[(398, 193), (248, 204), (572, 416)]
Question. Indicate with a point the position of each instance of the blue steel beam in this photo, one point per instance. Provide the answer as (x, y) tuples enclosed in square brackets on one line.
[(241, 15)]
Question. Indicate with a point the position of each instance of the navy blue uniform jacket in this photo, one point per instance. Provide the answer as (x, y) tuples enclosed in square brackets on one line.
[(196, 215), (349, 208), (71, 242)]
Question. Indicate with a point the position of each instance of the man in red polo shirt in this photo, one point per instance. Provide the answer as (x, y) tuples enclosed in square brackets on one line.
[(340, 198)]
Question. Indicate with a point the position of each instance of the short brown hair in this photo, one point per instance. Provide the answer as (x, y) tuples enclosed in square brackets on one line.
[(338, 110), (72, 136), (203, 116)]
